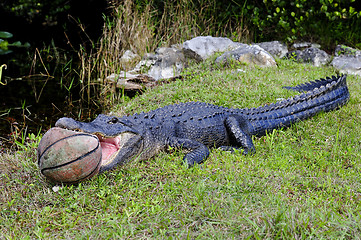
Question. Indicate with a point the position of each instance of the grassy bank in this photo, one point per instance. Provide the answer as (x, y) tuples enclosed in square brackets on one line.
[(303, 182)]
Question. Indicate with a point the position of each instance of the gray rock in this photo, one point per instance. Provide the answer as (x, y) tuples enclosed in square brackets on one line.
[(144, 65), (130, 81), (347, 60), (200, 48), (150, 56), (169, 64), (303, 45), (158, 72), (275, 48), (348, 64), (342, 50), (312, 55), (165, 63), (248, 54), (128, 56), (168, 57)]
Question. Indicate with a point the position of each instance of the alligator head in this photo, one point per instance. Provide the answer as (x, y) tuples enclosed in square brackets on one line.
[(119, 141)]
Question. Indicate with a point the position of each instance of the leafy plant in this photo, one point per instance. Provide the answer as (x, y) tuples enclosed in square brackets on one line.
[(29, 142), (4, 44), (328, 21)]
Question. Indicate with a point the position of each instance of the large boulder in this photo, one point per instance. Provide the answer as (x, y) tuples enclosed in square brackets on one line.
[(165, 63), (347, 60), (248, 54), (348, 64), (312, 55), (169, 64), (275, 48), (200, 48)]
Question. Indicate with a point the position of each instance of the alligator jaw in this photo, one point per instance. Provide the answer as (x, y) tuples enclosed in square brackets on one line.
[(119, 142), (115, 148), (111, 146)]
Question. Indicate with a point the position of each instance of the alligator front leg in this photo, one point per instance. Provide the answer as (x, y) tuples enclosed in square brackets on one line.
[(198, 151), (238, 132)]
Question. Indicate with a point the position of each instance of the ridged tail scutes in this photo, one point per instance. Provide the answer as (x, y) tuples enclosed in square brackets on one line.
[(322, 96), (309, 86)]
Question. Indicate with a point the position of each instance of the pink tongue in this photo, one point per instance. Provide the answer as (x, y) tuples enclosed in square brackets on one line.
[(109, 146)]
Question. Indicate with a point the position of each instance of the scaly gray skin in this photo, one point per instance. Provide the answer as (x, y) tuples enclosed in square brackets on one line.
[(196, 126)]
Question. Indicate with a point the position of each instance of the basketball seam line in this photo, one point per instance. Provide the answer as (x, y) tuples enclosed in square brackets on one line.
[(64, 164), (46, 149), (79, 180)]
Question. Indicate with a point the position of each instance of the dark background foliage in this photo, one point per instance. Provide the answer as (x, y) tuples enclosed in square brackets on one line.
[(42, 21), (328, 22)]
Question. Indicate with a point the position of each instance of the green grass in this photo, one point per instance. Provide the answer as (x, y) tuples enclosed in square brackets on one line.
[(303, 182)]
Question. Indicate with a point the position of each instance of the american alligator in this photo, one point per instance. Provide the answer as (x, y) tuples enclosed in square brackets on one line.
[(196, 126)]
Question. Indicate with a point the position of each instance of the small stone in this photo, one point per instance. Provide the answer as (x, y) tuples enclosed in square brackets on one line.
[(275, 48)]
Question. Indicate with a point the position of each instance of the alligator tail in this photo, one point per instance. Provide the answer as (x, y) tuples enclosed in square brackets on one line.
[(322, 96), (305, 87)]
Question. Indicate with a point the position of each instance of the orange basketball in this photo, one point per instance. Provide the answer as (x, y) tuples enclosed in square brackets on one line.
[(66, 156)]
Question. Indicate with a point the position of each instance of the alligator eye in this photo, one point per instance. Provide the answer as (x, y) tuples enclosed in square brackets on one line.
[(113, 120)]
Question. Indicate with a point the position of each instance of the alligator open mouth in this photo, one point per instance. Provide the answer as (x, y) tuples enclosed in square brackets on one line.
[(119, 143), (111, 146)]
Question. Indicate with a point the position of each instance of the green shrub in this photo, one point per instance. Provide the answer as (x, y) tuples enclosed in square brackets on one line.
[(326, 21), (4, 44)]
